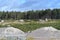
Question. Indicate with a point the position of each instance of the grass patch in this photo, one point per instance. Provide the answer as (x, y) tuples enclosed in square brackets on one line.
[(29, 26)]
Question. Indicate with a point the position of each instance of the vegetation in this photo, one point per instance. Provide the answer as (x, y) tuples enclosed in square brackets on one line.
[(38, 14), (30, 38), (34, 16), (32, 25)]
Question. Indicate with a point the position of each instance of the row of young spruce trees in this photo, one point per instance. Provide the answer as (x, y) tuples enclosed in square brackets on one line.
[(38, 14)]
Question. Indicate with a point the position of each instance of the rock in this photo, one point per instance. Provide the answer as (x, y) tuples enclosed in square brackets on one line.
[(2, 20), (45, 33), (21, 20), (46, 19)]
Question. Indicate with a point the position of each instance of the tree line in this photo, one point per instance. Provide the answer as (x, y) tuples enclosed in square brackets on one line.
[(38, 14)]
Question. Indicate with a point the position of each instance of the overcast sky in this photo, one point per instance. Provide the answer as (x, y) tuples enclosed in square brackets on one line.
[(23, 5)]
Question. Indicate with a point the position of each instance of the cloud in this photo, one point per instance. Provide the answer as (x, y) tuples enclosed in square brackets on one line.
[(22, 5), (8, 5), (40, 4)]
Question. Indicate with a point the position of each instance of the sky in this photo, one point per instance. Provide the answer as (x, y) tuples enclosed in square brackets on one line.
[(26, 5)]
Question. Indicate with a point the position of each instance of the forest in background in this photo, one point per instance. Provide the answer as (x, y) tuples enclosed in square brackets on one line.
[(38, 14)]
